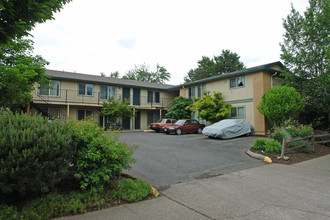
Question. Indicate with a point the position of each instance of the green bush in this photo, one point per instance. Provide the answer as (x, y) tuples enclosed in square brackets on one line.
[(132, 190), (35, 153), (273, 146), (267, 146), (259, 144), (291, 131), (280, 103), (100, 156)]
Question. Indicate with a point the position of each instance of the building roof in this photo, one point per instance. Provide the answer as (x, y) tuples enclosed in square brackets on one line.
[(79, 77), (265, 67)]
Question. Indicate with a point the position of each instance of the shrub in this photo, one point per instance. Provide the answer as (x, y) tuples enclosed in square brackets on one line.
[(291, 131), (280, 103), (267, 146), (132, 190), (259, 144), (273, 146), (35, 153), (100, 156)]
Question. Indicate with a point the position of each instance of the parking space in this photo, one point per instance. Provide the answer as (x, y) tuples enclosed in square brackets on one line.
[(163, 159)]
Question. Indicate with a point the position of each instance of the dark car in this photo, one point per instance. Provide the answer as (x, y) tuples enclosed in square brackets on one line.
[(184, 126), (228, 128), (159, 125)]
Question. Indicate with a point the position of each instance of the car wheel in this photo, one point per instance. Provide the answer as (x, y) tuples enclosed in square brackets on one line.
[(199, 130), (178, 131)]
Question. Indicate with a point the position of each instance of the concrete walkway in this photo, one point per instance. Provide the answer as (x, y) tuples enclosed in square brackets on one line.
[(300, 191)]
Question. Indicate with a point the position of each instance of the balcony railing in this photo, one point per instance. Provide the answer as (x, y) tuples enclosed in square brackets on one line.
[(96, 98)]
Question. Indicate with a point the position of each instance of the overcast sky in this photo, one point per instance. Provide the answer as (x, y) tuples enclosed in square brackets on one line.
[(106, 35)]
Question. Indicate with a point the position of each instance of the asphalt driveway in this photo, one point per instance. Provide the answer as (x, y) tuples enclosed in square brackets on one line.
[(163, 160)]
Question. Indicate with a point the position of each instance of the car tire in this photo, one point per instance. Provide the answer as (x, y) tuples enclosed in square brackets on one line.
[(199, 131), (178, 131)]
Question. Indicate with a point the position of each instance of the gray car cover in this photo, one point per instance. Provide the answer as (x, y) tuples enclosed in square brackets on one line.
[(228, 128)]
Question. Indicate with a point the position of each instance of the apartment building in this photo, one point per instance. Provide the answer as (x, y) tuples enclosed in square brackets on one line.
[(78, 96)]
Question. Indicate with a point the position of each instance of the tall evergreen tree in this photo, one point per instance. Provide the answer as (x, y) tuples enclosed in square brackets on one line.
[(226, 62), (305, 52)]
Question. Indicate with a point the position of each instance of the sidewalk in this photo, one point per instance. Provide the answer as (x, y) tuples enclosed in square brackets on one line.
[(300, 191)]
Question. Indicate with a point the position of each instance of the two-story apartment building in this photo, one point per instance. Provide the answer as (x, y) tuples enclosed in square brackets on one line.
[(78, 96)]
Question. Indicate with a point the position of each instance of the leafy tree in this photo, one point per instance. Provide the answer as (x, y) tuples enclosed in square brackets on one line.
[(305, 51), (19, 70), (142, 73), (17, 18), (211, 107), (180, 108), (280, 103), (114, 74), (116, 109), (225, 63)]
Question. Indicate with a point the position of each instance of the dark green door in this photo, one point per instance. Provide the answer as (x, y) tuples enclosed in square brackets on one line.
[(136, 97), (138, 120), (126, 93), (126, 123)]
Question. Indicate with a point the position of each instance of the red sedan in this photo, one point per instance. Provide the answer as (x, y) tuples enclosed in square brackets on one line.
[(184, 126)]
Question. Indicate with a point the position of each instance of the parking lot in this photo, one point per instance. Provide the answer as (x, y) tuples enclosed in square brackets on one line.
[(163, 160)]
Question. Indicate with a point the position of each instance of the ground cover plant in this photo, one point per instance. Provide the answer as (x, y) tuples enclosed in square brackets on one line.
[(51, 169)]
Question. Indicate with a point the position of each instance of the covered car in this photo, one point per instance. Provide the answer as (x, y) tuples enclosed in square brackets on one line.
[(228, 128)]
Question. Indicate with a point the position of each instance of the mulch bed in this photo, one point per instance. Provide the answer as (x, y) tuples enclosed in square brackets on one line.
[(296, 157)]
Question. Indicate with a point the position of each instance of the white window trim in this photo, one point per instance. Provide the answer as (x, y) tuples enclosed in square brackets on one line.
[(49, 89), (107, 90), (85, 113), (236, 107), (236, 78), (86, 90)]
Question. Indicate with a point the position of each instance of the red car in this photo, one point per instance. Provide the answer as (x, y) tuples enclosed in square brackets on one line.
[(158, 126), (184, 126)]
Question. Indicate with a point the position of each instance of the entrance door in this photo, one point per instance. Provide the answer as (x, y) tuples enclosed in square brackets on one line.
[(126, 123), (136, 97), (137, 120), (126, 93)]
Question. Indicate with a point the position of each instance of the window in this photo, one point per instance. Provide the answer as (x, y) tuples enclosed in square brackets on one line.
[(52, 113), (153, 97), (85, 89), (83, 114), (237, 82), (237, 112), (192, 92), (50, 90), (193, 122), (108, 92), (201, 89)]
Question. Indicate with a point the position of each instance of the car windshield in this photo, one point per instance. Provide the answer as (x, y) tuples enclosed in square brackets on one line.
[(180, 122), (161, 121)]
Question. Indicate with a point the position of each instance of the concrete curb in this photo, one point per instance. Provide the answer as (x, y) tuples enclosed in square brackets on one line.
[(259, 156)]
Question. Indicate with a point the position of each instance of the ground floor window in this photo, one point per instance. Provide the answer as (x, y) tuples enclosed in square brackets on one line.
[(83, 114), (237, 112), (52, 113)]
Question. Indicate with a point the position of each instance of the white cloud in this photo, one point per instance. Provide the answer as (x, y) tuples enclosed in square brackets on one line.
[(107, 36)]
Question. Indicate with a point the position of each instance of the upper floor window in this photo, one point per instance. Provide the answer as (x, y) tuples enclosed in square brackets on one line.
[(108, 92), (85, 89), (237, 82), (50, 90), (196, 91), (153, 97), (237, 112)]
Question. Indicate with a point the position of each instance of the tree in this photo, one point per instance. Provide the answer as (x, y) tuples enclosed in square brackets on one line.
[(116, 109), (19, 71), (17, 18), (225, 63), (142, 73), (180, 108), (280, 104), (305, 52), (111, 75), (211, 107)]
